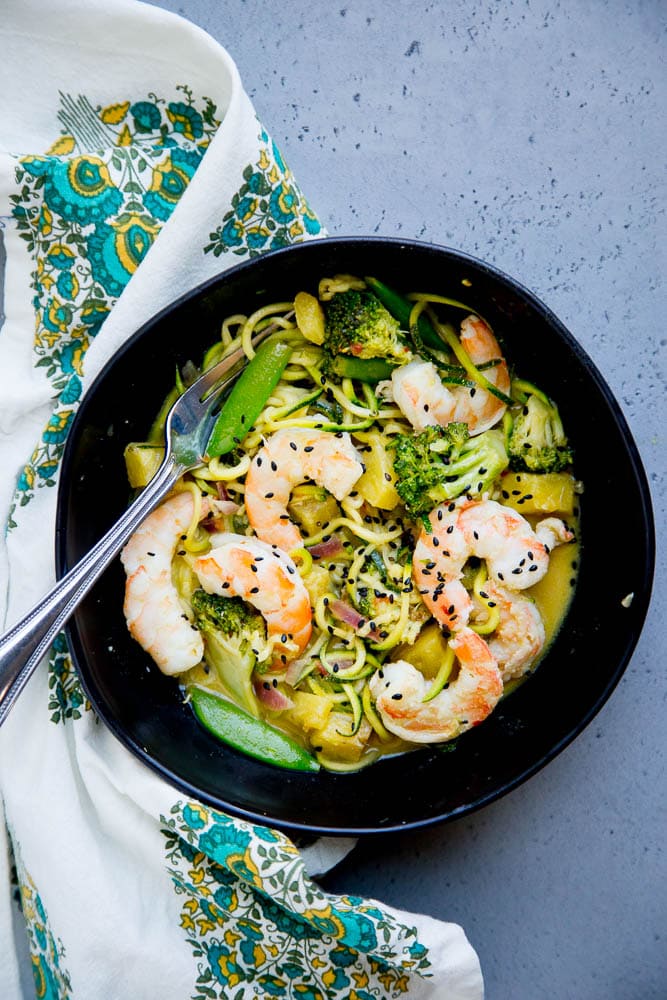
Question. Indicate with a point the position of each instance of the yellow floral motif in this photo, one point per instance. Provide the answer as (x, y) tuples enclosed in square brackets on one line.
[(264, 162), (124, 137), (259, 955), (59, 251), (205, 925), (329, 977), (45, 221), (360, 978), (231, 977), (113, 114), (62, 146)]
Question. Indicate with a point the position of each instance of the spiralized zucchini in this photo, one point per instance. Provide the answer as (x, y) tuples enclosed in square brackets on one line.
[(356, 556)]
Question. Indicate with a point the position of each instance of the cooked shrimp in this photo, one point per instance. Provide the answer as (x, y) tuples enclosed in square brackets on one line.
[(516, 555), (519, 638), (399, 690), (424, 400), (291, 456), (154, 612), (266, 578)]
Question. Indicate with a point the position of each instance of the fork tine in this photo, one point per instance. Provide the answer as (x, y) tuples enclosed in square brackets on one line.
[(189, 422)]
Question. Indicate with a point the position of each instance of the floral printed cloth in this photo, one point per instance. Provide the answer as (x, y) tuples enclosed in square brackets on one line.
[(126, 130)]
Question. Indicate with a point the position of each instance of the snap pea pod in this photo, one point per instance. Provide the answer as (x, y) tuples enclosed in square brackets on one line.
[(401, 308), (248, 397), (230, 724)]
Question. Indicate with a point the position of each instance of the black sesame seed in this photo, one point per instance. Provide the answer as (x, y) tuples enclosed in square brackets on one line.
[(397, 696), (532, 569), (472, 392), (254, 590), (293, 446), (309, 447), (450, 529), (517, 571), (268, 496), (274, 466)]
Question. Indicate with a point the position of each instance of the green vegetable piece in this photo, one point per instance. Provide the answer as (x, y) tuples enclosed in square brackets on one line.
[(358, 325), (401, 308), (441, 463), (230, 628), (248, 397), (233, 726), (369, 370), (537, 441)]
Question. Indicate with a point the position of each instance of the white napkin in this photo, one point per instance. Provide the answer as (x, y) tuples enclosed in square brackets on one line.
[(122, 123)]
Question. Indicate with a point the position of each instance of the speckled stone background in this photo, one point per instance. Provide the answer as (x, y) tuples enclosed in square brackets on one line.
[(530, 133)]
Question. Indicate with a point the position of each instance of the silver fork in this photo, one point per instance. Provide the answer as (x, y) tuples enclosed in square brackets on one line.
[(188, 427)]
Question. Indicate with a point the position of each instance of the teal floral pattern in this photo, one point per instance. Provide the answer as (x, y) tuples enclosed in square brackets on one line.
[(267, 212), (47, 954), (260, 928), (66, 698), (89, 210)]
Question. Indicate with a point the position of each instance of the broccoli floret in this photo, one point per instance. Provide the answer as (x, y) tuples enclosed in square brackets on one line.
[(442, 463), (230, 615), (358, 324), (232, 632), (537, 441)]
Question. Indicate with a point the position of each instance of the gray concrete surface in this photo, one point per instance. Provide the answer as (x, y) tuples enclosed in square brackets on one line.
[(530, 133)]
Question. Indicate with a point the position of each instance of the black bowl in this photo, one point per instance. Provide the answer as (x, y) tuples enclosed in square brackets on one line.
[(143, 708)]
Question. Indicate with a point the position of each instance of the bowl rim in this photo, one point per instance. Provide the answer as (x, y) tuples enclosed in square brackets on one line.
[(647, 524)]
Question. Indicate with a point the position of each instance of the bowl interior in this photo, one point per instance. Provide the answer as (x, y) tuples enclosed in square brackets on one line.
[(144, 708)]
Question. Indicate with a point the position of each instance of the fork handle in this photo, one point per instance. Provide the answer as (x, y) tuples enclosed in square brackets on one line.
[(22, 648)]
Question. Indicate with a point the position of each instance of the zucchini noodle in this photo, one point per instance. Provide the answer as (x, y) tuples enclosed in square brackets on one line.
[(354, 560)]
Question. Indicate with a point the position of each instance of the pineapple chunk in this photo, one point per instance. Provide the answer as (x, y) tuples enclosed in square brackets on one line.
[(538, 493), (142, 461), (376, 485), (313, 508), (309, 317), (333, 742), (310, 711), (317, 583), (426, 652)]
